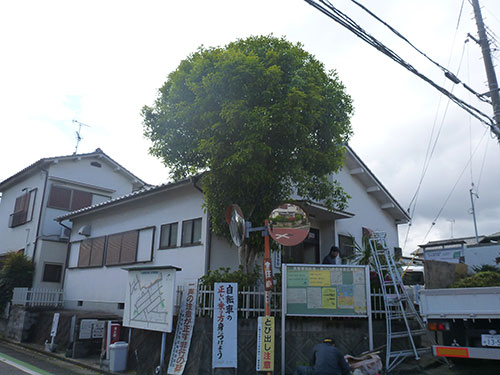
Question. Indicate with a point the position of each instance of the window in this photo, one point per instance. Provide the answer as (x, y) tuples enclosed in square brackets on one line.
[(122, 248), (68, 199), (191, 232), (52, 272), (346, 246), (22, 214), (91, 252), (168, 235)]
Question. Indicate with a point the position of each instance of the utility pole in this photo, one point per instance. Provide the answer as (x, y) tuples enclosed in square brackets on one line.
[(490, 70), (474, 210)]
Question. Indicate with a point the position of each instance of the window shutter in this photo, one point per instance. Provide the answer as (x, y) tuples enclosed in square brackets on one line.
[(59, 197), (80, 199), (85, 249), (129, 247), (20, 214), (113, 249), (97, 253)]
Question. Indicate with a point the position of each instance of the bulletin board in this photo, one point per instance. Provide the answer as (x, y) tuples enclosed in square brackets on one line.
[(327, 290)]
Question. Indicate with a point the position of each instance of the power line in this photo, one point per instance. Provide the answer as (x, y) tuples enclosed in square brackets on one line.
[(447, 73), (328, 9), (453, 188)]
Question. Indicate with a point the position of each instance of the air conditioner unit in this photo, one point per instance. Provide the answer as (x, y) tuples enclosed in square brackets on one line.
[(65, 232)]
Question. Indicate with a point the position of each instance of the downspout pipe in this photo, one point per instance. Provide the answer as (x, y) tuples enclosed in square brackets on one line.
[(40, 214), (208, 227)]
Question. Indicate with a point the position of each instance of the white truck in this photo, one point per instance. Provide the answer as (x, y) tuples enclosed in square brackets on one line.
[(466, 321)]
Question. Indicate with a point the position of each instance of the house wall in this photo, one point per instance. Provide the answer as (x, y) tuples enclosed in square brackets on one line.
[(82, 171), (481, 255), (367, 211), (52, 252), (104, 183), (22, 236), (103, 288)]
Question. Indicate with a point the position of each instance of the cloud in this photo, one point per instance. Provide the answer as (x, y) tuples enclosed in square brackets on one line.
[(100, 62)]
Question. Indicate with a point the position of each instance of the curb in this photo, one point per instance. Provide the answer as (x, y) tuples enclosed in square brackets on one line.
[(61, 358)]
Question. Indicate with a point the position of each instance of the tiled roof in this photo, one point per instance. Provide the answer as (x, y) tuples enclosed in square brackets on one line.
[(45, 161), (148, 190)]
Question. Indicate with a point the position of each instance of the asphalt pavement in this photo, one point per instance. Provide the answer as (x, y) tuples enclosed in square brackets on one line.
[(16, 360)]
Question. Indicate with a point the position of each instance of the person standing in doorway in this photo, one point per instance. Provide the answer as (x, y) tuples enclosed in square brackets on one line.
[(333, 256)]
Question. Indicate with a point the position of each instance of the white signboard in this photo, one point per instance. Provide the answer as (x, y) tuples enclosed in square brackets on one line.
[(149, 299), (184, 330), (446, 255), (98, 329), (224, 344), (55, 323), (86, 328)]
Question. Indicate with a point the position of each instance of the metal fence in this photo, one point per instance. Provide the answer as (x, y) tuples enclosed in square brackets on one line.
[(251, 302), (38, 297)]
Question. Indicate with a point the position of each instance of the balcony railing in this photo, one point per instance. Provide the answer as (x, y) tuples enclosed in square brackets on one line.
[(31, 297)]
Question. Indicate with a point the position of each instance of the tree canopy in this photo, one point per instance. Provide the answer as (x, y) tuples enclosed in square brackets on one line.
[(261, 117)]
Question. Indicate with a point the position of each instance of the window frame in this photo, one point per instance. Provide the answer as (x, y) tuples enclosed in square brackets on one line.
[(44, 279), (27, 215), (346, 246), (89, 263), (191, 242), (120, 263), (169, 245)]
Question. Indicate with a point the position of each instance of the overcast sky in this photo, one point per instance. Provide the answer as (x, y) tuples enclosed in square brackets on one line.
[(99, 62)]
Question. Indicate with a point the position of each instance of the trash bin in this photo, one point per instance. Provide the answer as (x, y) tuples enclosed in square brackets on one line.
[(118, 356)]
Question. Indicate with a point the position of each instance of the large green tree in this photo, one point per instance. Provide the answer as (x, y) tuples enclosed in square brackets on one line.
[(262, 118)]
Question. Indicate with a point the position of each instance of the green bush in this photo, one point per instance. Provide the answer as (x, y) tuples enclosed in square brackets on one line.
[(480, 279), (223, 275), (17, 272)]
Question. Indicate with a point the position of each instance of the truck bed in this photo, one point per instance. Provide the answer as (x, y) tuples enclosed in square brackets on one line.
[(460, 303)]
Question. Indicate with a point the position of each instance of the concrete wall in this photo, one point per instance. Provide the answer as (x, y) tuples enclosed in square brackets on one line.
[(442, 274), (301, 336)]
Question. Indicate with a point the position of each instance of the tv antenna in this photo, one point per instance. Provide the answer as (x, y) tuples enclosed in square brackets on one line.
[(78, 134)]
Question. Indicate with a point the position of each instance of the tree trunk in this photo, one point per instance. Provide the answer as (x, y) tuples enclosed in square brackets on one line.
[(246, 257)]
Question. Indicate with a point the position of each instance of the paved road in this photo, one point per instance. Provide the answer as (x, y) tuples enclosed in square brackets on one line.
[(20, 361)]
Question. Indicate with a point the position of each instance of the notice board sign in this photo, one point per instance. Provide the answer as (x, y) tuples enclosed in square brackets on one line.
[(149, 298), (327, 290)]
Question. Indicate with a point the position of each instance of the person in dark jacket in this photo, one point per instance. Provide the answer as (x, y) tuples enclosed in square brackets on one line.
[(326, 360), (333, 256)]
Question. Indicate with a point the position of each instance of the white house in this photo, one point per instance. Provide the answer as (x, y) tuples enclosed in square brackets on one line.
[(166, 225), (474, 252), (48, 188)]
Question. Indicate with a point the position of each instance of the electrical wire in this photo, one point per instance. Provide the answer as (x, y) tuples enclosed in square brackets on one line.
[(329, 10), (430, 151), (482, 167), (454, 186), (448, 74)]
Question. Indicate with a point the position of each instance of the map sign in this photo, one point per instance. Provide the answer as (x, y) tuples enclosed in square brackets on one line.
[(327, 290), (149, 299)]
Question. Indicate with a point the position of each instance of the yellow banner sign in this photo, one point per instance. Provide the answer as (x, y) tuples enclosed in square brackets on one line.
[(265, 343)]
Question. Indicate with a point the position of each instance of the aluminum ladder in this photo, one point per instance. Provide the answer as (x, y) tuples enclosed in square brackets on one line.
[(399, 308)]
